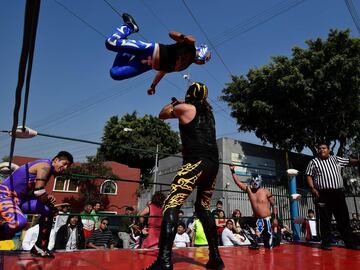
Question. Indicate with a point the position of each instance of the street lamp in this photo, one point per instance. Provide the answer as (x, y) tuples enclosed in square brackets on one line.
[(187, 77), (227, 208)]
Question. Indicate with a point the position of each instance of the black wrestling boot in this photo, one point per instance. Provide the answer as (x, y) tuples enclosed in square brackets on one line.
[(129, 20), (352, 242), (38, 252), (3, 235), (167, 235), (325, 245), (208, 223), (40, 248), (254, 246)]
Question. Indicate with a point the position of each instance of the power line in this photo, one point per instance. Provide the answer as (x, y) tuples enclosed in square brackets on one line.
[(120, 14), (256, 21), (79, 18), (353, 14), (207, 38), (155, 15), (113, 8), (83, 107)]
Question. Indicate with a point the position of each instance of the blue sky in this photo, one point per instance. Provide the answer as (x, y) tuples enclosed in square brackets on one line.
[(73, 95)]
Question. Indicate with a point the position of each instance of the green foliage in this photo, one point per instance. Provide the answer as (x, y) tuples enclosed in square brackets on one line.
[(5, 159), (89, 187), (143, 133), (351, 175), (297, 102)]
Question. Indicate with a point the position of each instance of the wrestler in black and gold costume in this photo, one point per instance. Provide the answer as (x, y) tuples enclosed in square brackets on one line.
[(200, 167)]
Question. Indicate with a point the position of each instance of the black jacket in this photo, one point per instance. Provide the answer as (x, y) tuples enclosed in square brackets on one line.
[(62, 235)]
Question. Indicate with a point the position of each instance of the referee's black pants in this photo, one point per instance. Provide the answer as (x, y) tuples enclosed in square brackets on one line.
[(332, 202)]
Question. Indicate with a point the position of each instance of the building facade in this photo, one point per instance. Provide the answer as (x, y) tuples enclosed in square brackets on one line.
[(249, 159)]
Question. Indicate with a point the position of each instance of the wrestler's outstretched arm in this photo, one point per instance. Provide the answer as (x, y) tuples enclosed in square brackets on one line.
[(179, 37), (240, 184), (159, 75)]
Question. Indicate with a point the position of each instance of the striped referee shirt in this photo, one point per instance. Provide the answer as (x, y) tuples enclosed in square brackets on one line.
[(326, 173)]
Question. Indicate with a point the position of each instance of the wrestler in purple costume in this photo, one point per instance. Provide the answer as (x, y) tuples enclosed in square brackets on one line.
[(21, 184), (24, 192)]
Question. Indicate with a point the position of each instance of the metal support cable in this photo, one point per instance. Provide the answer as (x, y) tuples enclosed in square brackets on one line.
[(207, 38), (136, 149)]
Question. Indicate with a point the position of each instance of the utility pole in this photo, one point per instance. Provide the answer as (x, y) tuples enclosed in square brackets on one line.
[(156, 167)]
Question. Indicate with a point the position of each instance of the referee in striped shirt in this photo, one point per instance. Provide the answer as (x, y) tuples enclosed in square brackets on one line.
[(323, 175)]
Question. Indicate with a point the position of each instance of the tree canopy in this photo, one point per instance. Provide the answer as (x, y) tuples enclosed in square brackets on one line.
[(351, 175), (131, 131), (296, 102)]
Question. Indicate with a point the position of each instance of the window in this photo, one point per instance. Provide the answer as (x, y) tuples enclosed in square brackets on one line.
[(108, 187), (66, 185)]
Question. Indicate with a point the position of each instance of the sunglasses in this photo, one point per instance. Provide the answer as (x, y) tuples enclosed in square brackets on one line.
[(105, 223)]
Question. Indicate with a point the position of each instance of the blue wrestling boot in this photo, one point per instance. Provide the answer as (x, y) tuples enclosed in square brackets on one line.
[(129, 20)]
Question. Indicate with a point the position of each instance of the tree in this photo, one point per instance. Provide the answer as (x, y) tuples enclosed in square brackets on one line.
[(297, 102), (89, 187), (123, 136), (351, 175)]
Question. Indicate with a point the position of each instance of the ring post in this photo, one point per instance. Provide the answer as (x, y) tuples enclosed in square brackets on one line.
[(294, 207)]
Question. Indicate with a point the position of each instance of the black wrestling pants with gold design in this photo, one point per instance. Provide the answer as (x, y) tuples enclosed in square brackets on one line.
[(200, 174)]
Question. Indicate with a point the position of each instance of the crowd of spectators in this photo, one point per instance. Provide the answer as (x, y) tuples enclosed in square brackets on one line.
[(74, 231), (141, 229)]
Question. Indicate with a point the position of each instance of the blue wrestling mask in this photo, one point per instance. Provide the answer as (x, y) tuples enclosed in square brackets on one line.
[(255, 181), (203, 54)]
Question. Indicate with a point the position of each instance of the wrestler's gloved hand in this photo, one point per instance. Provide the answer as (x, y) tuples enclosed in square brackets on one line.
[(175, 101), (151, 90)]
